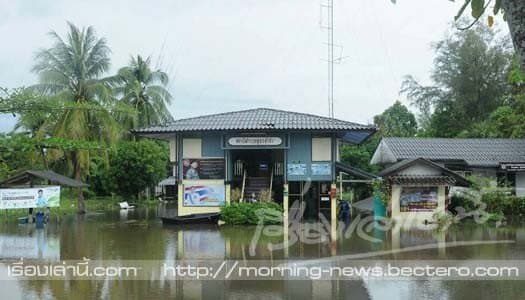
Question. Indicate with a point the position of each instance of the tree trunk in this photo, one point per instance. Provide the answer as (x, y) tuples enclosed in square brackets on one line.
[(515, 14), (78, 176)]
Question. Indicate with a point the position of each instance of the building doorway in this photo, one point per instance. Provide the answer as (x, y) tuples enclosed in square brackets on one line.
[(312, 196), (257, 171)]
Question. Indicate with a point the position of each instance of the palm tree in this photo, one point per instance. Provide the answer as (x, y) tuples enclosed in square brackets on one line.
[(144, 89), (70, 72)]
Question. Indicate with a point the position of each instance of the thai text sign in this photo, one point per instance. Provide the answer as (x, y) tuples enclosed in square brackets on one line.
[(255, 141), (48, 196)]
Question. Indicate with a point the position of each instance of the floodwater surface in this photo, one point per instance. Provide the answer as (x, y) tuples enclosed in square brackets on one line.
[(139, 235)]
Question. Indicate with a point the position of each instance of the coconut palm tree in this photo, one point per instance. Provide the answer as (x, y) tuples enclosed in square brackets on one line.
[(144, 89), (70, 72)]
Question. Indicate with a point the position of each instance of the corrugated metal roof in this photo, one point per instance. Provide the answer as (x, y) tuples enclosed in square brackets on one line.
[(256, 119), (475, 152)]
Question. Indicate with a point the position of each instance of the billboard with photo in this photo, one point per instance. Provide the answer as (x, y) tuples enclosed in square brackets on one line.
[(41, 197), (204, 193), (202, 168)]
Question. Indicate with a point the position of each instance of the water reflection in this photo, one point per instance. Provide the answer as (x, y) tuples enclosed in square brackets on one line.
[(139, 235)]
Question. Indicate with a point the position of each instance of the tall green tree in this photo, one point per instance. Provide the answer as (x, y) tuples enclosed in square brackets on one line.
[(396, 120), (135, 166), (71, 71), (469, 81), (508, 120), (513, 12), (146, 90)]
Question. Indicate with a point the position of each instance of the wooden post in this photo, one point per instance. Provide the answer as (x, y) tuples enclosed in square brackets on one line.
[(333, 211), (228, 193), (285, 219), (180, 198)]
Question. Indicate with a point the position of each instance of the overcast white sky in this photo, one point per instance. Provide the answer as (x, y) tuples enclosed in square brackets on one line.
[(226, 55)]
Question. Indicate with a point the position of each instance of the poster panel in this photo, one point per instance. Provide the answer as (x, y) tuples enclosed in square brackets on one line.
[(414, 199), (204, 193), (41, 197), (202, 168), (296, 169), (321, 169)]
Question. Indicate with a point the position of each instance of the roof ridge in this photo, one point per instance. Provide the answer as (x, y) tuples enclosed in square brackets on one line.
[(317, 116)]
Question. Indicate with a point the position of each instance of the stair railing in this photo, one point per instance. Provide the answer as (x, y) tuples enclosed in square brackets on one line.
[(243, 185), (271, 183)]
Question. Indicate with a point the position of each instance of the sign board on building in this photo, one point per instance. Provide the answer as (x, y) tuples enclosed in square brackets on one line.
[(414, 199), (203, 168), (204, 193), (296, 169), (321, 169), (515, 167), (48, 196), (255, 141)]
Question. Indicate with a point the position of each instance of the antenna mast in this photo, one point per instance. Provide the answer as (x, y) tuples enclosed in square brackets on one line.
[(328, 8)]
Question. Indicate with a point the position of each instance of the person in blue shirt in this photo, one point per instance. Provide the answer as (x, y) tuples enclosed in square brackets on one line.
[(41, 201)]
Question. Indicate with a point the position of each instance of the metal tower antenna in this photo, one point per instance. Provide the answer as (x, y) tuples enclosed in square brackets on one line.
[(328, 6)]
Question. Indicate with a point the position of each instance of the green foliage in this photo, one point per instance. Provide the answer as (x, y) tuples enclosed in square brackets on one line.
[(72, 115), (494, 200), (381, 190), (502, 203), (396, 120), (508, 120), (469, 82), (444, 220), (144, 89), (135, 166), (265, 195), (252, 213), (18, 153), (359, 155), (235, 195)]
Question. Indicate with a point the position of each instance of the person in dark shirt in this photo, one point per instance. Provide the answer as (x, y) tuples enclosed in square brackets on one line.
[(344, 211)]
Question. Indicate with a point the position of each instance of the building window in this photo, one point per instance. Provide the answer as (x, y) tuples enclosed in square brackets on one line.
[(192, 148), (321, 149)]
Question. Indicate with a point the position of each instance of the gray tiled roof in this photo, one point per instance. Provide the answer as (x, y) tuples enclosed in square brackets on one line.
[(256, 119), (475, 152), (394, 169)]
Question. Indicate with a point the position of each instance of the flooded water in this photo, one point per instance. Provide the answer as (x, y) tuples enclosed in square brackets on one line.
[(139, 235)]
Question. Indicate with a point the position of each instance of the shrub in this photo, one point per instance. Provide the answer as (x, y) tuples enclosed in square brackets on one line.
[(458, 200), (265, 195), (236, 195), (252, 213), (135, 166)]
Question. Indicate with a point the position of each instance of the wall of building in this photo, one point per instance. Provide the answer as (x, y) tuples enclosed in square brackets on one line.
[(311, 151), (205, 145)]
